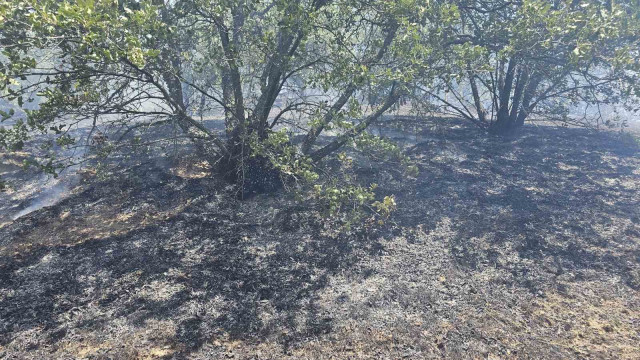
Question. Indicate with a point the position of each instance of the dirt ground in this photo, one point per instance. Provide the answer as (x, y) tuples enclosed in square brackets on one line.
[(502, 248)]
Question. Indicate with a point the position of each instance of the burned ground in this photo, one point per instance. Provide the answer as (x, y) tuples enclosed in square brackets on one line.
[(502, 248)]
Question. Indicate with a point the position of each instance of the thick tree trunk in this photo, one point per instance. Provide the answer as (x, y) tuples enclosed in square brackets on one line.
[(252, 174), (227, 100), (521, 82), (476, 97), (503, 124), (528, 95)]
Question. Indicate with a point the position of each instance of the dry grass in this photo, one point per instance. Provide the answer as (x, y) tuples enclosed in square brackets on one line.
[(526, 248)]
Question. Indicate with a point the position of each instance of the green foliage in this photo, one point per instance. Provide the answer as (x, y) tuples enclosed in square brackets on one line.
[(547, 57), (305, 67), (385, 150), (385, 207), (284, 157), (12, 139), (336, 198)]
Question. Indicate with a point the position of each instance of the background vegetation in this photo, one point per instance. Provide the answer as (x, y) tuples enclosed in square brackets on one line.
[(284, 73)]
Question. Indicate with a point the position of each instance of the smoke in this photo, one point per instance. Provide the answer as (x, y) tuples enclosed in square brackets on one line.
[(49, 195), (53, 190)]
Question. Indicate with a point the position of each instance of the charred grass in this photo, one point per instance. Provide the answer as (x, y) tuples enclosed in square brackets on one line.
[(526, 247)]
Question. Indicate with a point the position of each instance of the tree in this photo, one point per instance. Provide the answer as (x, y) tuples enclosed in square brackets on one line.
[(272, 68), (510, 60)]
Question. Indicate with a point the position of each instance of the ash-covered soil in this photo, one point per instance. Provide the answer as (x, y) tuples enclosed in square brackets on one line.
[(502, 248)]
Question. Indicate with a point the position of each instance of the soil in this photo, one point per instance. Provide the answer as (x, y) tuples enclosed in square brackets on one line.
[(527, 247)]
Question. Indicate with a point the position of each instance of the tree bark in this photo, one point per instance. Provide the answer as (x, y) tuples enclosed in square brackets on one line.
[(529, 93), (521, 83), (503, 120), (476, 97), (342, 139), (314, 132)]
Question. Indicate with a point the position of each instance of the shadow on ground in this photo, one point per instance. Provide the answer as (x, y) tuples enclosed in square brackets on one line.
[(564, 196), (216, 268), (492, 251)]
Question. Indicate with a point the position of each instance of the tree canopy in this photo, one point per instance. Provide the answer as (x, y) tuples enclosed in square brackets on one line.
[(514, 59), (282, 73)]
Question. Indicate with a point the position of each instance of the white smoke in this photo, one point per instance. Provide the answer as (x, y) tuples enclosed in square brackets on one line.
[(49, 195), (54, 189)]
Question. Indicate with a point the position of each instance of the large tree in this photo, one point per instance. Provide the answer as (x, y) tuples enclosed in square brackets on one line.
[(271, 68), (509, 60)]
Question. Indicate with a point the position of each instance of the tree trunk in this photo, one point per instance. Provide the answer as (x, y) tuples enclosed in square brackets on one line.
[(529, 93), (476, 96), (358, 129), (315, 131), (252, 174), (521, 82), (503, 124), (311, 137)]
